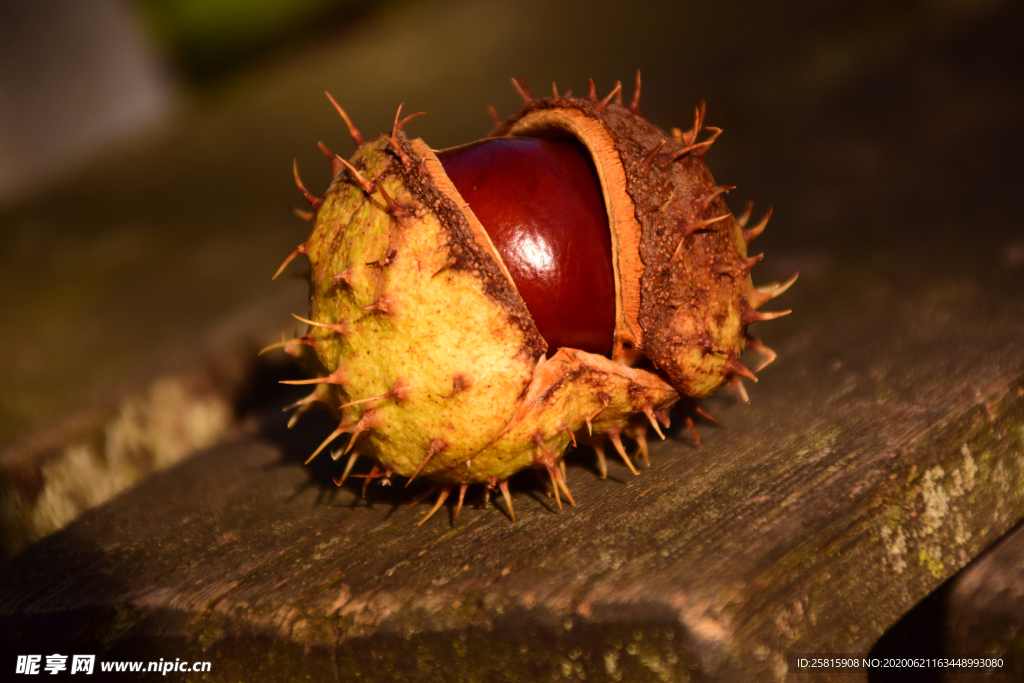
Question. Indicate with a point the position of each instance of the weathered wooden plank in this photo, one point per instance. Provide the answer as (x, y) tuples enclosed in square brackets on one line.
[(880, 453), (182, 403)]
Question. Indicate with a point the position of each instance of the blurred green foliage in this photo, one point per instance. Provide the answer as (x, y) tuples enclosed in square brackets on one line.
[(206, 37)]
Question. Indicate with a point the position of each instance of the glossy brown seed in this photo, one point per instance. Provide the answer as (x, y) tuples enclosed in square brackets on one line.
[(542, 206)]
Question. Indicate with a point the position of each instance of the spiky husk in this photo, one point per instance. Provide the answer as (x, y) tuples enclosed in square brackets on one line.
[(424, 350), (681, 259)]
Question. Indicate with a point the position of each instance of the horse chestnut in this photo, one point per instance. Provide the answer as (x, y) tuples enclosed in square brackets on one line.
[(472, 310), (540, 202)]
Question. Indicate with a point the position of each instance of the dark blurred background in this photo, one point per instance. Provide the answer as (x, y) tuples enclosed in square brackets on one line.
[(146, 145)]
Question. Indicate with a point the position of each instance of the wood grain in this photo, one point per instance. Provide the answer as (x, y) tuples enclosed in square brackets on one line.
[(880, 453)]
